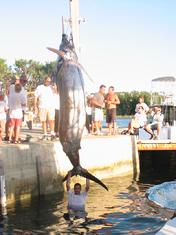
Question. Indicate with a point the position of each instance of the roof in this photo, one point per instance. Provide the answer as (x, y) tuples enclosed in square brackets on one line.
[(164, 79)]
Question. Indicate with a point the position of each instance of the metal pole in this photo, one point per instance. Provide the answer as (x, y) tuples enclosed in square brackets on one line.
[(63, 28), (74, 21)]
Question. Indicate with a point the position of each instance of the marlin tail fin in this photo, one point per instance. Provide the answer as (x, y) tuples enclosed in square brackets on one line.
[(84, 173)]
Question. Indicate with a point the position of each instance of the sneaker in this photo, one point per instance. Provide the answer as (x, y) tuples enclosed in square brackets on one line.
[(66, 216), (155, 137), (151, 137), (53, 137), (99, 133), (44, 137)]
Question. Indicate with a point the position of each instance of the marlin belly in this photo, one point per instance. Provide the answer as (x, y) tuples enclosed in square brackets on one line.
[(72, 110)]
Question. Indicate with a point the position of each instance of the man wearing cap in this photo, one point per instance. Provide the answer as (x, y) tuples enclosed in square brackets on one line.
[(157, 122), (143, 104)]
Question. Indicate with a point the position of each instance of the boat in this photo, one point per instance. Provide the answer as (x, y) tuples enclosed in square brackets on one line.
[(163, 195), (163, 95)]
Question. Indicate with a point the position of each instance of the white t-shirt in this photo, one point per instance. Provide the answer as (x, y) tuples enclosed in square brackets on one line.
[(158, 118), (56, 101), (23, 92), (141, 118), (2, 110), (12, 90), (89, 110), (45, 96), (16, 102), (76, 201), (144, 105)]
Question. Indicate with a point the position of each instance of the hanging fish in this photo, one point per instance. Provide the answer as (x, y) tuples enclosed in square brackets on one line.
[(70, 82)]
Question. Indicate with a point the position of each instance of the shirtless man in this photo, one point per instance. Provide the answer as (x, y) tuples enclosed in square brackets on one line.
[(111, 101)]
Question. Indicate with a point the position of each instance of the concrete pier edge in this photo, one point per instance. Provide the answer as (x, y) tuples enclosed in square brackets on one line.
[(38, 168)]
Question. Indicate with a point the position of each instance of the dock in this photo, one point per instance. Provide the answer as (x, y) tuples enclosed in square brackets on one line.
[(37, 167), (156, 145)]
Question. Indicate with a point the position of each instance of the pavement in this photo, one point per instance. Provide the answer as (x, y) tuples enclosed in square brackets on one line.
[(36, 133)]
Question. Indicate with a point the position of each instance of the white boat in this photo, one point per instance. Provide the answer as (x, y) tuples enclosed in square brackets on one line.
[(163, 195), (163, 95)]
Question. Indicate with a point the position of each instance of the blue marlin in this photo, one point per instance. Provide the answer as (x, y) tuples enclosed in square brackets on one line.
[(70, 82)]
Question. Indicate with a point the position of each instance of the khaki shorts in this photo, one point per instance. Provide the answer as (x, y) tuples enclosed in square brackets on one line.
[(97, 115), (46, 114)]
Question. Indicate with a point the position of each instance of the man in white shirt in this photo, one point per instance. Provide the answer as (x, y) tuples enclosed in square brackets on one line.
[(143, 104), (43, 102), (76, 200), (157, 123)]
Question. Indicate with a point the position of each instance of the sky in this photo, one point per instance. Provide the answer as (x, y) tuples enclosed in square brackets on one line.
[(124, 43)]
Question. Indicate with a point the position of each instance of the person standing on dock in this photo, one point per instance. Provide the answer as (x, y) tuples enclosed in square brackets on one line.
[(89, 123), (111, 101), (44, 106), (98, 105), (76, 200), (16, 102), (56, 103)]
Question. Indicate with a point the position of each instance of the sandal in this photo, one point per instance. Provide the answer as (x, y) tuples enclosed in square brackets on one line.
[(17, 142), (124, 132)]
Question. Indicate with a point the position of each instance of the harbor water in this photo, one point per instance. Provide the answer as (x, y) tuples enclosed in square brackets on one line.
[(124, 209)]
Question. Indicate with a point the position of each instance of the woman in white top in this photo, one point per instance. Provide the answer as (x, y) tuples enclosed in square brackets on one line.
[(16, 102), (139, 120)]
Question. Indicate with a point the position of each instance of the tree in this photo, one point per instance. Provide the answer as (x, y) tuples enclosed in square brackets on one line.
[(128, 101), (34, 71), (5, 72)]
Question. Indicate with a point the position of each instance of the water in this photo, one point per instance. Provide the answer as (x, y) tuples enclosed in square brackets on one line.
[(121, 122), (124, 209)]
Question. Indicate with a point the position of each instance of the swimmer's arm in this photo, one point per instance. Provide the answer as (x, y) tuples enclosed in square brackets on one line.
[(87, 185), (68, 181)]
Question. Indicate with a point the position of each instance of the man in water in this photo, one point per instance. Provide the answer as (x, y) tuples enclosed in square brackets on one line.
[(76, 200)]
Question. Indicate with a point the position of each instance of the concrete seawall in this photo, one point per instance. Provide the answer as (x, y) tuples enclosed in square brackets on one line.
[(37, 168)]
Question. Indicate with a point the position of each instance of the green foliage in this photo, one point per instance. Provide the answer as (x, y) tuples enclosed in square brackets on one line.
[(128, 101), (34, 71), (5, 71)]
